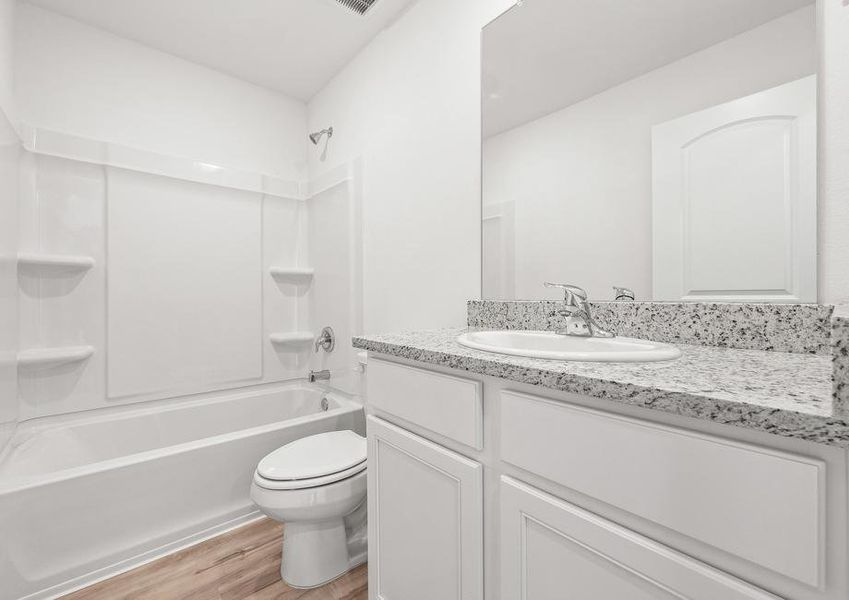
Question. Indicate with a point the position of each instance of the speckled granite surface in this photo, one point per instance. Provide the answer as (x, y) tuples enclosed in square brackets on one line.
[(840, 358), (779, 393), (803, 328)]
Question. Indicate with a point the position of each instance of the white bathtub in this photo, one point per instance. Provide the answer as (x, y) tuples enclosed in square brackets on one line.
[(87, 498)]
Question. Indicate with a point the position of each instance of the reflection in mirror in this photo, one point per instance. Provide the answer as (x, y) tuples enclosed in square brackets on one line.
[(664, 146)]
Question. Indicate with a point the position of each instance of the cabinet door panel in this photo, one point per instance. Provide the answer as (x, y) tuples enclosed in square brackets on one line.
[(425, 519), (551, 549)]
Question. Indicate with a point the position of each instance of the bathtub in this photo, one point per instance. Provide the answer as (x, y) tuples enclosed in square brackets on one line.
[(89, 497)]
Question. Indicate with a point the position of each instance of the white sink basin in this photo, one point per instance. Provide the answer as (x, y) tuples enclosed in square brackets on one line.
[(551, 346)]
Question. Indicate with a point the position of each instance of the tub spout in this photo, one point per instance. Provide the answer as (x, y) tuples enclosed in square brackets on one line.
[(319, 376)]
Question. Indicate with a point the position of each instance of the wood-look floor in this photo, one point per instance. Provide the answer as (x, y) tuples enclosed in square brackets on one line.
[(243, 564)]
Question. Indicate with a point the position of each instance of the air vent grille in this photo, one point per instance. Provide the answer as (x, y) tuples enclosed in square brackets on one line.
[(360, 7)]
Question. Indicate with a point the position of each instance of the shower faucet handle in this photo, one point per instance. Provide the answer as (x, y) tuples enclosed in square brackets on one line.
[(326, 340)]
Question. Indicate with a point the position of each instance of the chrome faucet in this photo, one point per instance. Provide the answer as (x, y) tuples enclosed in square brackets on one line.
[(579, 319)]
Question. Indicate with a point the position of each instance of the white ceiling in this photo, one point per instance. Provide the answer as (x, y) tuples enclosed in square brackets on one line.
[(544, 55), (291, 46)]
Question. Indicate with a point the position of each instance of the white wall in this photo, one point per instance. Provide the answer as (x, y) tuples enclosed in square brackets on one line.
[(409, 105), (9, 150), (77, 79), (834, 142), (8, 10), (581, 177)]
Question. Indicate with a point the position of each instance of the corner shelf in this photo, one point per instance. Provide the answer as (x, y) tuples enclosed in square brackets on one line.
[(53, 357), (292, 272), (63, 262), (292, 339)]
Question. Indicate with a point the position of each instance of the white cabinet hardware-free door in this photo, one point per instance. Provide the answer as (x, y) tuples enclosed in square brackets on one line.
[(425, 519), (552, 550)]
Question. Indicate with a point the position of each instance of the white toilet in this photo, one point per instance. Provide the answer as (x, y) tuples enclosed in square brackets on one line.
[(317, 486)]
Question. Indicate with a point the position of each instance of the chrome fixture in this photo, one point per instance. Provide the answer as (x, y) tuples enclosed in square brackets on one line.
[(360, 7), (315, 137), (623, 293), (326, 341), (579, 320), (319, 376)]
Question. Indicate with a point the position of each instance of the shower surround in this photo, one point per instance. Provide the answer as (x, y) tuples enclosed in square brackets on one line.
[(171, 296)]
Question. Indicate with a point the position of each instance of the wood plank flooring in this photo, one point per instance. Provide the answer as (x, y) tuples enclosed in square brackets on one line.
[(243, 564)]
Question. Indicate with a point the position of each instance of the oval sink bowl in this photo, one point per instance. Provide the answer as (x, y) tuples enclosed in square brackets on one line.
[(551, 346)]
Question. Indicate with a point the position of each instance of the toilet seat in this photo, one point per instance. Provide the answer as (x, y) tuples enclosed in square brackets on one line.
[(313, 461), (300, 484)]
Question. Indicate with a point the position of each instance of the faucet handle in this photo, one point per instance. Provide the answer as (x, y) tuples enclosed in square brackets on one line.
[(570, 291), (622, 293), (326, 340)]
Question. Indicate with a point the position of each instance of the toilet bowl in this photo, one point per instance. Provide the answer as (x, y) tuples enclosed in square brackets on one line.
[(316, 486)]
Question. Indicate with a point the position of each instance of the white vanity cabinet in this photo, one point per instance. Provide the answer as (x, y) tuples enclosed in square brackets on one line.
[(587, 499)]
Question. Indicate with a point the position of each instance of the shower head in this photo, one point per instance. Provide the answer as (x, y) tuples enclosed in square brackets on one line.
[(360, 7), (316, 137)]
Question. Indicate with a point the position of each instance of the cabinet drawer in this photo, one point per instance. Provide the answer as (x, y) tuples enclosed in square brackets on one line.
[(552, 549), (447, 405), (761, 505)]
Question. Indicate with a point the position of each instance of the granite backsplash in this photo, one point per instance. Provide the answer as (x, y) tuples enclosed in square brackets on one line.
[(799, 328)]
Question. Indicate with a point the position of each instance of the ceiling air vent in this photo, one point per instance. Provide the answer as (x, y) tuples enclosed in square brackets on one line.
[(360, 7)]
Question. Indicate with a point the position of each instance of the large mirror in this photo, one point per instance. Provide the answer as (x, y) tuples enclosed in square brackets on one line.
[(664, 146)]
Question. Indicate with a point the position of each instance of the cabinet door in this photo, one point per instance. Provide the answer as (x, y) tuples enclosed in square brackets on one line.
[(551, 550), (425, 507)]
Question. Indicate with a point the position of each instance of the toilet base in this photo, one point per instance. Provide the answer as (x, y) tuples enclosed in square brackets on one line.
[(317, 552), (313, 553)]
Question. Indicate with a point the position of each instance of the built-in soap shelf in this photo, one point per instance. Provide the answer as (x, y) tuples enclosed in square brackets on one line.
[(292, 272), (294, 338), (64, 262), (41, 358)]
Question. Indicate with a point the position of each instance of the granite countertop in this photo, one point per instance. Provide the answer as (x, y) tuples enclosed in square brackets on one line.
[(774, 392)]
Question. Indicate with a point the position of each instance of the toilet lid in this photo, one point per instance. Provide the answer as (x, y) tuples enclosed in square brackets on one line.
[(314, 456), (301, 484)]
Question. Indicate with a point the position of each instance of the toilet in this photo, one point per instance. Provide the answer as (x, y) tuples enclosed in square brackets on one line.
[(316, 486)]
